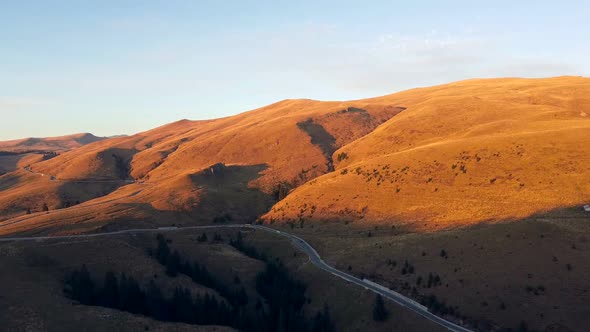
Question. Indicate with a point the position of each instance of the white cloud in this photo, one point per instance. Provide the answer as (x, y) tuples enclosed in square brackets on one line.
[(393, 61)]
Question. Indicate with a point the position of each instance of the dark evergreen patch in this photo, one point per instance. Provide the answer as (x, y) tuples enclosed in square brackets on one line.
[(279, 307), (124, 293)]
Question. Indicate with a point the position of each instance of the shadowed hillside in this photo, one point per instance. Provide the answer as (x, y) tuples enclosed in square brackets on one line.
[(20, 153)]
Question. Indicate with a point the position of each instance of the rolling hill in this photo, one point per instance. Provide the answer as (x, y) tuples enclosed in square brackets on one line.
[(25, 191), (20, 153), (185, 171), (462, 153), (429, 158)]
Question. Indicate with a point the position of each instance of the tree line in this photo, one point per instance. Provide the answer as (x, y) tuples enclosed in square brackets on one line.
[(125, 293), (285, 298), (175, 265), (278, 307)]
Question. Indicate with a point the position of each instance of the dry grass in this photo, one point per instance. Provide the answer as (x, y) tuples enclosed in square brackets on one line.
[(448, 172), (32, 291), (521, 264), (170, 158), (461, 154)]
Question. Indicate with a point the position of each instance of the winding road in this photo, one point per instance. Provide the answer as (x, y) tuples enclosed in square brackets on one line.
[(299, 243)]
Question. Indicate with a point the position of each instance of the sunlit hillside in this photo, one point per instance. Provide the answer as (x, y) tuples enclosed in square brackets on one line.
[(460, 154)]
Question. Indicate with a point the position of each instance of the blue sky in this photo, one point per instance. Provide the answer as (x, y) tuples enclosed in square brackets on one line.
[(120, 67)]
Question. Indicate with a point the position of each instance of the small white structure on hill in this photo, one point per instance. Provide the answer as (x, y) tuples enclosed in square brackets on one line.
[(587, 208)]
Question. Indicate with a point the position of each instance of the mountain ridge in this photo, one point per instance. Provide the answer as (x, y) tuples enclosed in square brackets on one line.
[(55, 144), (302, 148)]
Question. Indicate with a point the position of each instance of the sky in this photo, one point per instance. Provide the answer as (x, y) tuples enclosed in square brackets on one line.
[(122, 67)]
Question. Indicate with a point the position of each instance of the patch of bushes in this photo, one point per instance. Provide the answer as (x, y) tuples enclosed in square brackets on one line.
[(539, 290), (407, 268)]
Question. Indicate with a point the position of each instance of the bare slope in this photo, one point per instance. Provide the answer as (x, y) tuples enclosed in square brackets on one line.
[(459, 154)]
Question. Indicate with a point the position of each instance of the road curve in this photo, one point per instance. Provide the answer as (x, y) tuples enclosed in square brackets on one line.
[(297, 242), (383, 291)]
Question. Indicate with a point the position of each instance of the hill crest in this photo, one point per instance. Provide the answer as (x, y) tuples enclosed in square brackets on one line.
[(444, 156)]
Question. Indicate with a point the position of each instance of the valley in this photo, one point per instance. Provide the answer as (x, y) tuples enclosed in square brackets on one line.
[(465, 198)]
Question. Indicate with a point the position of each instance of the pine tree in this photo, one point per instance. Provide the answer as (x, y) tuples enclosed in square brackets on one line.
[(163, 251), (135, 297), (80, 287), (85, 287), (322, 321), (155, 303), (380, 314), (123, 293), (241, 297), (202, 238), (109, 296), (173, 264), (182, 304)]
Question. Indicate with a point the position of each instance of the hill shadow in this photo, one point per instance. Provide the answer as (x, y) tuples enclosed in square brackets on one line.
[(73, 193), (228, 195), (321, 138), (507, 263), (8, 180)]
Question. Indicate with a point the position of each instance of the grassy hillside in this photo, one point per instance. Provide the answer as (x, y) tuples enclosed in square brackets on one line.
[(432, 158), (267, 152), (20, 153), (34, 299), (421, 181), (497, 276), (460, 154)]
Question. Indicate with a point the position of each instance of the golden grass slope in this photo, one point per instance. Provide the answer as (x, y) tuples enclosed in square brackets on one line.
[(261, 149), (460, 153), (20, 153), (268, 135)]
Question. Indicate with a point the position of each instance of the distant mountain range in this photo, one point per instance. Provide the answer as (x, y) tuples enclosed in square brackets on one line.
[(56, 144)]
